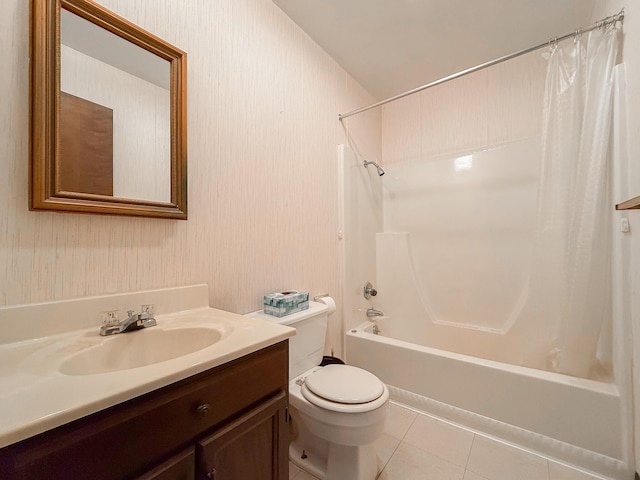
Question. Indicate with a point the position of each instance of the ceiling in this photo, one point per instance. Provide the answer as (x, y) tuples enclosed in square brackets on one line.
[(391, 46)]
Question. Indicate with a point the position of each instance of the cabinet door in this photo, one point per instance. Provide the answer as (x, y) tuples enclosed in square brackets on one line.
[(255, 446), (178, 467)]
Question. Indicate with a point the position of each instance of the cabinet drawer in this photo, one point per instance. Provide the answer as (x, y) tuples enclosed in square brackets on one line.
[(130, 438)]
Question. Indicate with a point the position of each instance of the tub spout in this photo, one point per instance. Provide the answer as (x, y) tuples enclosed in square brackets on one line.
[(372, 312)]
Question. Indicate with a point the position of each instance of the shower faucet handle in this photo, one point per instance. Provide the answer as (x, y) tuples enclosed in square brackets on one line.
[(369, 291)]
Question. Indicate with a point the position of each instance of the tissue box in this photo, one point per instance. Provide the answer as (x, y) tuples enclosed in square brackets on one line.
[(285, 303)]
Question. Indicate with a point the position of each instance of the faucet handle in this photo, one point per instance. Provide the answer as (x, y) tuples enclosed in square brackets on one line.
[(369, 291), (148, 308), (110, 317)]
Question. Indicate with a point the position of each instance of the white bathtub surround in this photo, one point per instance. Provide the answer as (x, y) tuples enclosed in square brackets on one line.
[(40, 390), (471, 220), (361, 218), (433, 317), (573, 420), (453, 261)]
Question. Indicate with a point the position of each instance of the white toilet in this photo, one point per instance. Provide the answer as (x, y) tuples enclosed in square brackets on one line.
[(338, 411)]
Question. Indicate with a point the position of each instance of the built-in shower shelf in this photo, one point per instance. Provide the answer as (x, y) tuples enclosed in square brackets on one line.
[(631, 204)]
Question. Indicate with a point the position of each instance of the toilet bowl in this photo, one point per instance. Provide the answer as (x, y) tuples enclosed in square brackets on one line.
[(333, 439), (337, 411)]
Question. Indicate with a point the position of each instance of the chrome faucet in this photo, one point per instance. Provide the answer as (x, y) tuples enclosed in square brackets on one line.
[(134, 321), (372, 312), (369, 291)]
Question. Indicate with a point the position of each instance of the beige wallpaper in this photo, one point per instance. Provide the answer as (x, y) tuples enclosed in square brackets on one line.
[(263, 167)]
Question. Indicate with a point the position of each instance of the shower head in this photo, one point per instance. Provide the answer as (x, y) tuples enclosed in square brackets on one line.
[(366, 163)]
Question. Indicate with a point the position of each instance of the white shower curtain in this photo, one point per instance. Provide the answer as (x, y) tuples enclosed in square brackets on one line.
[(569, 295)]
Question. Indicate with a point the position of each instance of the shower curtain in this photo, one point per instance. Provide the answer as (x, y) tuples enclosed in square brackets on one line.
[(569, 294)]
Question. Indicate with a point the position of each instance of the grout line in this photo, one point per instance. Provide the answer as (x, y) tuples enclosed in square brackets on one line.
[(409, 428), (417, 412), (400, 440), (473, 440), (441, 420), (390, 457)]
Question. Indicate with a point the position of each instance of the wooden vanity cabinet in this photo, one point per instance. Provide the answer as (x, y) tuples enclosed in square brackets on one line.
[(248, 448), (228, 423)]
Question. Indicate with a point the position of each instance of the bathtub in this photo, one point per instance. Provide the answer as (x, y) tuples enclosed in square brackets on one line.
[(571, 419)]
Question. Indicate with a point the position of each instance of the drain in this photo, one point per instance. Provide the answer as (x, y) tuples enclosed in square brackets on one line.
[(304, 455)]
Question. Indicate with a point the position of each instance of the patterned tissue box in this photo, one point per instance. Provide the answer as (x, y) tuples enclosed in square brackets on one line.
[(285, 303)]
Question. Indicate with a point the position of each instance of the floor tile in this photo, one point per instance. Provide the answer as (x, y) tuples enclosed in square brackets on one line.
[(498, 461), (558, 471), (385, 447), (469, 475), (442, 439), (296, 473), (293, 471), (411, 463), (302, 475), (399, 420)]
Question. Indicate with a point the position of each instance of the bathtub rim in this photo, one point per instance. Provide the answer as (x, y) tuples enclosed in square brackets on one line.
[(607, 388)]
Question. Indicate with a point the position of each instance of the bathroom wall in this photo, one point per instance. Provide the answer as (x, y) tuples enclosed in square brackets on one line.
[(487, 108), (263, 101)]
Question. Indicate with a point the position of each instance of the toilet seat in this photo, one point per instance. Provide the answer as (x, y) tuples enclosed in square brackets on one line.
[(343, 388)]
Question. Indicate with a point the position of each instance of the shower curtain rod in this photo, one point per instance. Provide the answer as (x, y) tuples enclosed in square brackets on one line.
[(605, 22)]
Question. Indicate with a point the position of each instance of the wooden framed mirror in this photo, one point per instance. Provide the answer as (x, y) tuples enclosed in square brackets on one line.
[(108, 126)]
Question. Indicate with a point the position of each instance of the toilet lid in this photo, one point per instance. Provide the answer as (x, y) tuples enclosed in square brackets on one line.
[(344, 384)]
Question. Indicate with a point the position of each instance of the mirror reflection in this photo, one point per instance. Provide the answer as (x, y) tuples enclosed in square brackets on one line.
[(115, 116)]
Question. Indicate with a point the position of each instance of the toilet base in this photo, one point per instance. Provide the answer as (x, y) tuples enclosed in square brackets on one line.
[(339, 463), (311, 463)]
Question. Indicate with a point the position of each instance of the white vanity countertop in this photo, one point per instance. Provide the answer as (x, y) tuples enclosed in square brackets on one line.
[(35, 396)]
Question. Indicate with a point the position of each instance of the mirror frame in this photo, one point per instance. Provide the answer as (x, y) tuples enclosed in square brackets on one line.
[(45, 107)]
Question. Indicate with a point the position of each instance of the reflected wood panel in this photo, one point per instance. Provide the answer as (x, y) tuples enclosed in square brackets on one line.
[(86, 146)]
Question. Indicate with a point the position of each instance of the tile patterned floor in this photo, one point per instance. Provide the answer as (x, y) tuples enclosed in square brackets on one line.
[(419, 447)]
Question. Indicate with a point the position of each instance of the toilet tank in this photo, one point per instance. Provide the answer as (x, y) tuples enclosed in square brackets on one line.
[(306, 347)]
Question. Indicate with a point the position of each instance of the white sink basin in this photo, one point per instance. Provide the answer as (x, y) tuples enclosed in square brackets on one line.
[(139, 348)]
